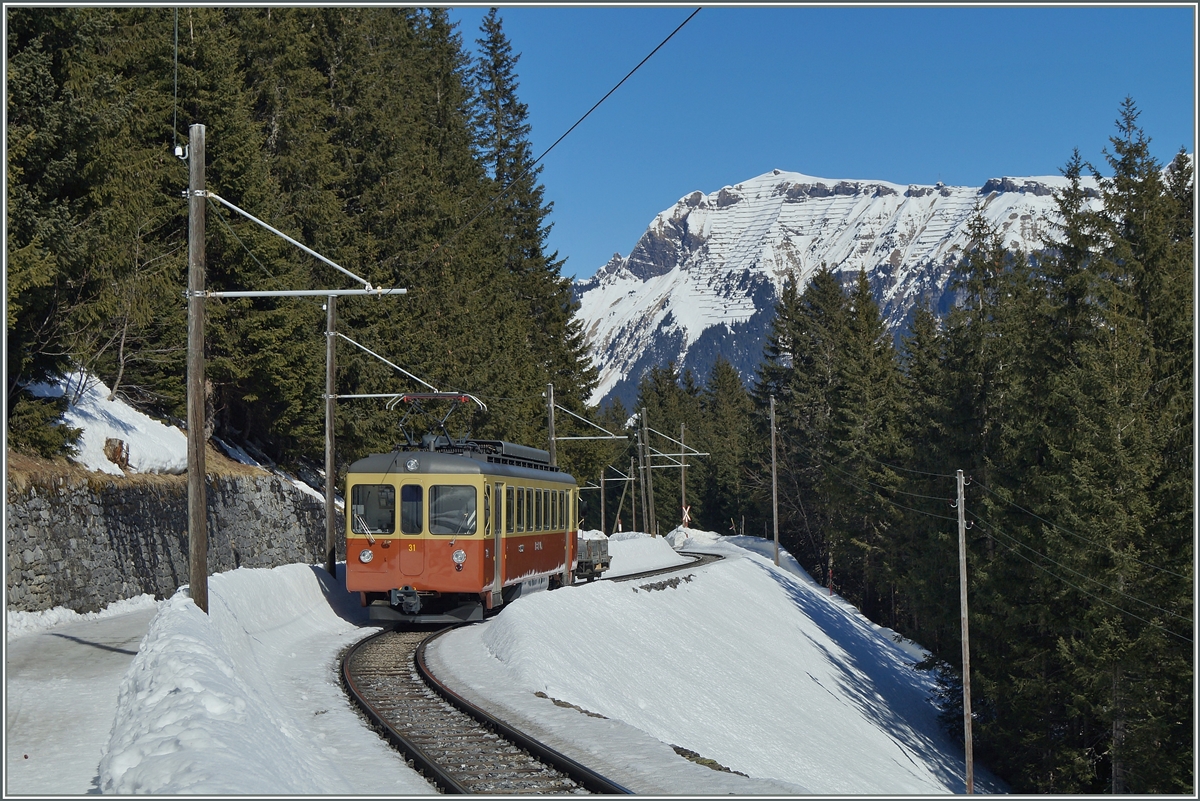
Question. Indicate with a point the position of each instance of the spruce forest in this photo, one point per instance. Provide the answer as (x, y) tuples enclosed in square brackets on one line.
[(1061, 384)]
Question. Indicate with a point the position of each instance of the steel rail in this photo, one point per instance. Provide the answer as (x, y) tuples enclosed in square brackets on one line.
[(442, 776), (421, 761), (581, 775), (591, 781)]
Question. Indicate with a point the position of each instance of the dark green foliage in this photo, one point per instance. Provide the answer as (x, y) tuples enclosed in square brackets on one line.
[(667, 400), (353, 130), (1058, 384), (50, 133), (33, 426), (729, 439), (1061, 384)]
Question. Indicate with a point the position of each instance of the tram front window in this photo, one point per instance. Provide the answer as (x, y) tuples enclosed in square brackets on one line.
[(410, 509), (373, 508), (451, 509)]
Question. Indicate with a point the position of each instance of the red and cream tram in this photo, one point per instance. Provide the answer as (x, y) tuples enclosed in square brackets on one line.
[(443, 533)]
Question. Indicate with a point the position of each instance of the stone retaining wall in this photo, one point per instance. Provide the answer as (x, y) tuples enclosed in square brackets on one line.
[(84, 542)]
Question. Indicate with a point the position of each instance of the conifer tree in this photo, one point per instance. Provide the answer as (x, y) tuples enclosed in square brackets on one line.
[(926, 546), (862, 437), (728, 436), (801, 369), (502, 131), (669, 399), (51, 131)]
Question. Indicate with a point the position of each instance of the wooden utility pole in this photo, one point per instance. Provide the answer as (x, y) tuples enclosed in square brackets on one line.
[(197, 496), (648, 511), (641, 452), (966, 641), (330, 462), (774, 484), (550, 406), (196, 293), (633, 494), (603, 529)]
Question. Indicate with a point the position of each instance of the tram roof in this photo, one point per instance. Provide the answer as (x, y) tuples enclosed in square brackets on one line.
[(422, 462)]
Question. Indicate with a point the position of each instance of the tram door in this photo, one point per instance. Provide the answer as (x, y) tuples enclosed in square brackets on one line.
[(496, 541), (412, 523)]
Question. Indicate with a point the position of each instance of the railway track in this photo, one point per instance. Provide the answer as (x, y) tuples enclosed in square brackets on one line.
[(699, 560), (457, 746)]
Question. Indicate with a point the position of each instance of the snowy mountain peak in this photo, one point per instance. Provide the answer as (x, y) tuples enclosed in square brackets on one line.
[(704, 277)]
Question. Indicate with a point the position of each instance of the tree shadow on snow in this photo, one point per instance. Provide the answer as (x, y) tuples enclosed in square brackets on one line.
[(93, 644), (345, 604), (880, 679)]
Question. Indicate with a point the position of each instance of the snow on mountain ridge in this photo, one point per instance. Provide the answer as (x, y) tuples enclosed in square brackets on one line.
[(704, 277)]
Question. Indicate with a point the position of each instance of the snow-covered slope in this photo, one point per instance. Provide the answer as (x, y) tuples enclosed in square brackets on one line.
[(704, 277), (742, 662)]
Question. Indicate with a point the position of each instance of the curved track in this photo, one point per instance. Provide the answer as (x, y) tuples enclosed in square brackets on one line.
[(458, 747), (699, 560)]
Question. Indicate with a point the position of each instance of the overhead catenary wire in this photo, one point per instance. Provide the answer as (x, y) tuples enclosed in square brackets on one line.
[(1048, 572), (919, 472), (221, 218), (546, 152), (993, 529), (1057, 527), (388, 363), (857, 483)]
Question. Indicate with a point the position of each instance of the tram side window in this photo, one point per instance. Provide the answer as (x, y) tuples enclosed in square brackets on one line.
[(557, 507), (537, 506), (451, 509), (546, 517), (374, 509), (520, 509), (511, 504), (412, 511)]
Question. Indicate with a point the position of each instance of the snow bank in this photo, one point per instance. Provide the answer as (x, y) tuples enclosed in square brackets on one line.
[(223, 704), (20, 623), (635, 552), (740, 661), (591, 534), (153, 447), (680, 537)]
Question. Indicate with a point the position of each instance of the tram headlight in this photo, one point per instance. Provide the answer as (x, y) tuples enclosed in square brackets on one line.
[(459, 556), (365, 556)]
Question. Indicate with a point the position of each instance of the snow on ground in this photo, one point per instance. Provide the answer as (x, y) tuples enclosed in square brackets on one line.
[(754, 666), (633, 552), (153, 447), (247, 698), (19, 624), (60, 696), (741, 662)]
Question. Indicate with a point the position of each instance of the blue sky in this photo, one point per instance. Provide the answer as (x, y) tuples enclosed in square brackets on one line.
[(906, 94)]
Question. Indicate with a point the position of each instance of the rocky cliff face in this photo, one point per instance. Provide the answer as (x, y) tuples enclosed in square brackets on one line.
[(705, 276)]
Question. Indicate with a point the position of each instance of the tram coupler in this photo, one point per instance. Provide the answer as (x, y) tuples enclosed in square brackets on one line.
[(405, 599)]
